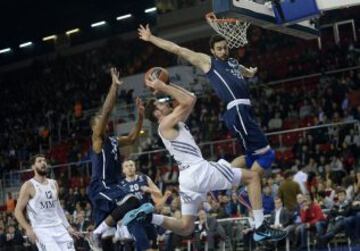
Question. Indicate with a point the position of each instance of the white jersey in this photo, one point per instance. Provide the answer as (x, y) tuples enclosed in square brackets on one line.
[(42, 208), (183, 148)]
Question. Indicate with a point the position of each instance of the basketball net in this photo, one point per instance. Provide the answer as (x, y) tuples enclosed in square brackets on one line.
[(232, 29)]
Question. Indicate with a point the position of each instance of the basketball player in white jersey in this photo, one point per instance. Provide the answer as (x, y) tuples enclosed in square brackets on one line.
[(197, 175), (48, 226)]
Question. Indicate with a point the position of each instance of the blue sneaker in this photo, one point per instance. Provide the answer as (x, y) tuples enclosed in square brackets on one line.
[(138, 213), (267, 233)]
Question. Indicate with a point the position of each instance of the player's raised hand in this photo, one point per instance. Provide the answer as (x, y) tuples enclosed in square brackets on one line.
[(140, 106), (252, 71), (31, 235), (144, 32), (155, 85), (115, 76)]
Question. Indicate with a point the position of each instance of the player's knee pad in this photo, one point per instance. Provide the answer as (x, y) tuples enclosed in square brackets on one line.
[(125, 205)]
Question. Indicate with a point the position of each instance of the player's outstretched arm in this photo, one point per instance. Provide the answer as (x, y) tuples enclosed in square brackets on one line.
[(24, 197), (101, 119), (197, 59), (134, 134)]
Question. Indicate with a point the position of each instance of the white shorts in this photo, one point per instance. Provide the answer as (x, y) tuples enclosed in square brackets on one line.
[(196, 181), (54, 239)]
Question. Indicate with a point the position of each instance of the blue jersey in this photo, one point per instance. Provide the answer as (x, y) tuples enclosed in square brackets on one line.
[(227, 80), (106, 164), (229, 84), (134, 187)]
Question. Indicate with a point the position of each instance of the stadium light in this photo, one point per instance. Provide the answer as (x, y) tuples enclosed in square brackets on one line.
[(5, 50), (98, 24), (51, 37), (69, 32), (153, 9), (123, 17), (27, 44)]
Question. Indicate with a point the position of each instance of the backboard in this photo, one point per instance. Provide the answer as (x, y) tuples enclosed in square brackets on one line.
[(263, 15)]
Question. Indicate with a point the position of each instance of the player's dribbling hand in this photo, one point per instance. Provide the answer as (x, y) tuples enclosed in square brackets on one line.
[(115, 76), (31, 235), (140, 106), (144, 32), (74, 233)]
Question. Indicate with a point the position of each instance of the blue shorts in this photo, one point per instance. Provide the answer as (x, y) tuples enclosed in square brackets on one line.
[(103, 200), (240, 121), (145, 235), (265, 160)]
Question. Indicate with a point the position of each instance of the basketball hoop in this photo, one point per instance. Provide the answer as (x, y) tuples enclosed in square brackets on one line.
[(232, 29)]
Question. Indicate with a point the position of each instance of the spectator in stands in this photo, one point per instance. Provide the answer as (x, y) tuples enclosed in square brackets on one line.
[(336, 219), (14, 239), (288, 191), (275, 123), (312, 218), (337, 171), (209, 230), (281, 218), (10, 203), (268, 200), (301, 178), (305, 110), (232, 207)]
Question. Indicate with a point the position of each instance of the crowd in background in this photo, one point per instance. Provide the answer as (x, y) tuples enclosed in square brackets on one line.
[(37, 117)]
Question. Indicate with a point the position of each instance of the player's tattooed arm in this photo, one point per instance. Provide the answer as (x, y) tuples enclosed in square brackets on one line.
[(197, 59), (99, 122), (24, 197), (134, 134)]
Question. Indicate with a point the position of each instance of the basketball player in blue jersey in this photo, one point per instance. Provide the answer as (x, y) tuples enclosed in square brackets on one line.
[(227, 78), (109, 201), (197, 176), (145, 190)]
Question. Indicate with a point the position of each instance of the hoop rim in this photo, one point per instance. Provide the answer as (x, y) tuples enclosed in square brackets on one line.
[(211, 17)]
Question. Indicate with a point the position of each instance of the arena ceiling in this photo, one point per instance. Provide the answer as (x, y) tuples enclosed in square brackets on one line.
[(23, 20)]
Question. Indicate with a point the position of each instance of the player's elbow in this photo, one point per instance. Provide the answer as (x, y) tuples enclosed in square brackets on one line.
[(190, 100), (17, 213)]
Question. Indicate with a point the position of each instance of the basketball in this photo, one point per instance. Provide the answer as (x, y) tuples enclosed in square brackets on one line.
[(158, 73)]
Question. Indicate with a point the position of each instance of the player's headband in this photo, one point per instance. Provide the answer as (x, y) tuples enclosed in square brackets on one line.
[(164, 100)]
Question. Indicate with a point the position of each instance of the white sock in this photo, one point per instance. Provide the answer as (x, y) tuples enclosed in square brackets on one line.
[(157, 219), (102, 228), (258, 217)]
